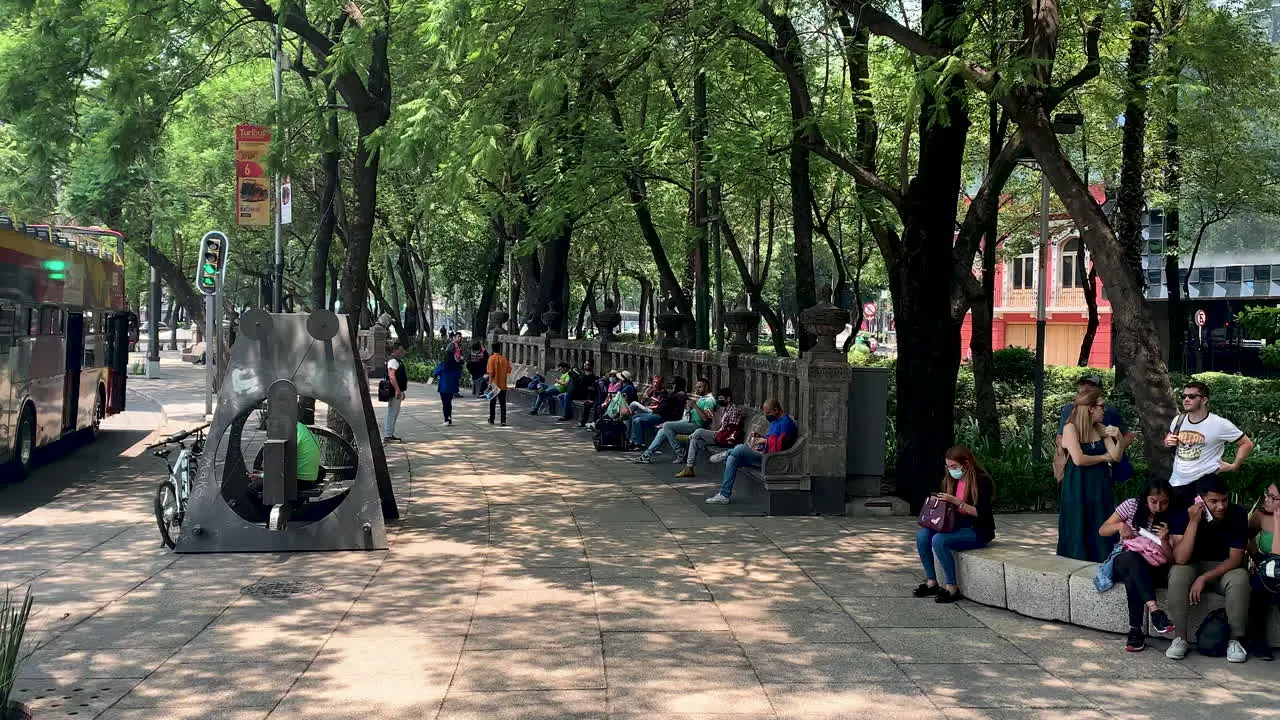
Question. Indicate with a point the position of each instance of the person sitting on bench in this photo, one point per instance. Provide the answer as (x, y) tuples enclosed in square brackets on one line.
[(727, 435), (781, 436)]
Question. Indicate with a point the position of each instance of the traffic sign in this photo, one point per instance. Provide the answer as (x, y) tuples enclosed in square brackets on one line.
[(869, 310), (1201, 318)]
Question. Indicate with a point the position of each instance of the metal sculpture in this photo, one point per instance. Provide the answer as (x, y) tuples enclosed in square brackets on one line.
[(277, 358)]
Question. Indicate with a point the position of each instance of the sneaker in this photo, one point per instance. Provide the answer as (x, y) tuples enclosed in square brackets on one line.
[(926, 590), (563, 419), (389, 439), (533, 412), (1177, 649), (643, 458), (490, 421), (502, 424), (946, 596), (679, 459), (591, 426), (1236, 653), (719, 457), (1137, 641), (687, 472), (717, 499), (1161, 624)]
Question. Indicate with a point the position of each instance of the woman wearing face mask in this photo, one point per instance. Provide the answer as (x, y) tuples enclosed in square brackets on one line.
[(1144, 563), (1087, 501), (968, 487)]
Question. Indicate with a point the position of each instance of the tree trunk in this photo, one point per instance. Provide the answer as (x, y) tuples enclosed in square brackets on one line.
[(553, 290), (480, 321), (1137, 344), (173, 277), (329, 169), (1173, 190), (1091, 300), (1133, 148), (777, 328), (642, 324), (701, 264)]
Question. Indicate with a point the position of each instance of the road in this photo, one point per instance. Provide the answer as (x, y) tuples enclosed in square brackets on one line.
[(74, 463)]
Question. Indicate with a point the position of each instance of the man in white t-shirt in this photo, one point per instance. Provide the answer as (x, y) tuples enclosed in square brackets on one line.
[(1199, 439)]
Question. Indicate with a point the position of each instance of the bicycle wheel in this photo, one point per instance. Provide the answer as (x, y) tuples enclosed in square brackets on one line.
[(168, 514)]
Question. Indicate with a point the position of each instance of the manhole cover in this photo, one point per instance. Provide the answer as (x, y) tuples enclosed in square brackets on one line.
[(281, 588)]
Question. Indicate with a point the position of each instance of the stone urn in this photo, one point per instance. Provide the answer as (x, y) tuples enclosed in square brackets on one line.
[(672, 323), (15, 711), (741, 321), (384, 320), (608, 319), (550, 320), (498, 321), (825, 321)]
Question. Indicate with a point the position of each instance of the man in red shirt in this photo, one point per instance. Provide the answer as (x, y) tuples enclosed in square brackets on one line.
[(782, 435)]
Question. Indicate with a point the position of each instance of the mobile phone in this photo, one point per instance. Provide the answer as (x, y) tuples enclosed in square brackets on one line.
[(1208, 516), (1149, 535)]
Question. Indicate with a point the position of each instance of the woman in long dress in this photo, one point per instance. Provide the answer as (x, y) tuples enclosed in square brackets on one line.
[(1087, 500)]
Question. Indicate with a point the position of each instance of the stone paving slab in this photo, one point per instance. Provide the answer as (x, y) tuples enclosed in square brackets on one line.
[(523, 583)]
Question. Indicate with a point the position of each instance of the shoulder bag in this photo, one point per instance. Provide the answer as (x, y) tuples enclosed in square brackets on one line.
[(937, 516)]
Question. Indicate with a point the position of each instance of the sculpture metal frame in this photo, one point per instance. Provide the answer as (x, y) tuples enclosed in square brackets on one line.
[(315, 353)]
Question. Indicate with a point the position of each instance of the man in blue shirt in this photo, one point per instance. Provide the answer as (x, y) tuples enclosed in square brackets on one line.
[(1110, 416), (781, 436)]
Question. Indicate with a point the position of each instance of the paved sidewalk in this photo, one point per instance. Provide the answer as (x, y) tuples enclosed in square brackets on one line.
[(534, 578)]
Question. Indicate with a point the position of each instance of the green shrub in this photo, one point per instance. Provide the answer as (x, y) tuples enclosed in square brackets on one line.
[(13, 626), (1014, 365)]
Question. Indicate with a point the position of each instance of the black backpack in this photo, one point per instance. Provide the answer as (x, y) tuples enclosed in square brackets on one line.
[(1214, 634)]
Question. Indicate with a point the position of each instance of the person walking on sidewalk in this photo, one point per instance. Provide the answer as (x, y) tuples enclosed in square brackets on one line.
[(448, 375), (498, 372), (399, 377), (477, 363), (1199, 439)]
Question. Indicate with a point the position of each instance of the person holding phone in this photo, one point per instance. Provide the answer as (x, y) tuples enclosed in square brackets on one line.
[(1209, 540), (1143, 526), (969, 488), (1086, 496)]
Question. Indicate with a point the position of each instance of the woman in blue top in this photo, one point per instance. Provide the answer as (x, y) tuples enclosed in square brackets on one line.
[(448, 375), (1087, 501)]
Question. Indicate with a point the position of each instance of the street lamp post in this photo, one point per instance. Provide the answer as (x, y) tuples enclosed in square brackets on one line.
[(1063, 124)]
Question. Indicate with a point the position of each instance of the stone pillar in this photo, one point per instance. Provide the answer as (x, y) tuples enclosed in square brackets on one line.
[(741, 320), (824, 376), (673, 325)]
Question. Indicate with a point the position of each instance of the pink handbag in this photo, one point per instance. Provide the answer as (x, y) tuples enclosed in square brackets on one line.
[(1150, 551)]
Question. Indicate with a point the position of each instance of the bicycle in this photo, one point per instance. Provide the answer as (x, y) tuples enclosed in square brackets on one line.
[(172, 493)]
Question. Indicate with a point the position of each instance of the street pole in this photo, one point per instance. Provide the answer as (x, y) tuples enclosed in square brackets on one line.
[(153, 309), (209, 345), (715, 235), (277, 285), (1042, 287)]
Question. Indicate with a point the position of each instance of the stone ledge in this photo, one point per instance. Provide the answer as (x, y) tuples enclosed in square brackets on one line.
[(1048, 587)]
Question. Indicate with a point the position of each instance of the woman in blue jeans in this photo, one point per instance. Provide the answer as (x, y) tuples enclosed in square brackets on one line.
[(968, 487)]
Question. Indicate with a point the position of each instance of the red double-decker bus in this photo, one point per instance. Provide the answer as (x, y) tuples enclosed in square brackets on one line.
[(64, 334)]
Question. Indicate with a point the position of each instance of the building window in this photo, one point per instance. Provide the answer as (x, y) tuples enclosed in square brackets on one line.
[(1154, 278), (1262, 273), (1024, 272), (1206, 275), (1235, 273), (1072, 265)]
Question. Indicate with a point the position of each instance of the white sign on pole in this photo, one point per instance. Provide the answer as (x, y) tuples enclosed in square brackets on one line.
[(286, 201), (1201, 318), (869, 310)]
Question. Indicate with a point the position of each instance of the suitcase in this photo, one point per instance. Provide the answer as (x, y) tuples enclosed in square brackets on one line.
[(610, 434)]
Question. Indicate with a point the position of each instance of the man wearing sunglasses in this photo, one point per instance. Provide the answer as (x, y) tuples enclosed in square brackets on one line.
[(1199, 439)]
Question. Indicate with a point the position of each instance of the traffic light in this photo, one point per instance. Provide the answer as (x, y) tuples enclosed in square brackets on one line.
[(212, 262)]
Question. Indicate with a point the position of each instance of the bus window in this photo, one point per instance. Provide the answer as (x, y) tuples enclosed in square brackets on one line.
[(7, 318), (90, 327), (33, 321), (50, 321)]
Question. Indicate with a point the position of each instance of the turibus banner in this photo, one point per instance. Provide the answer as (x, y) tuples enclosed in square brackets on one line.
[(253, 188)]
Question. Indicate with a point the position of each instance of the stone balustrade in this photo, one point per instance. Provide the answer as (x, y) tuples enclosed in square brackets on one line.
[(820, 390)]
